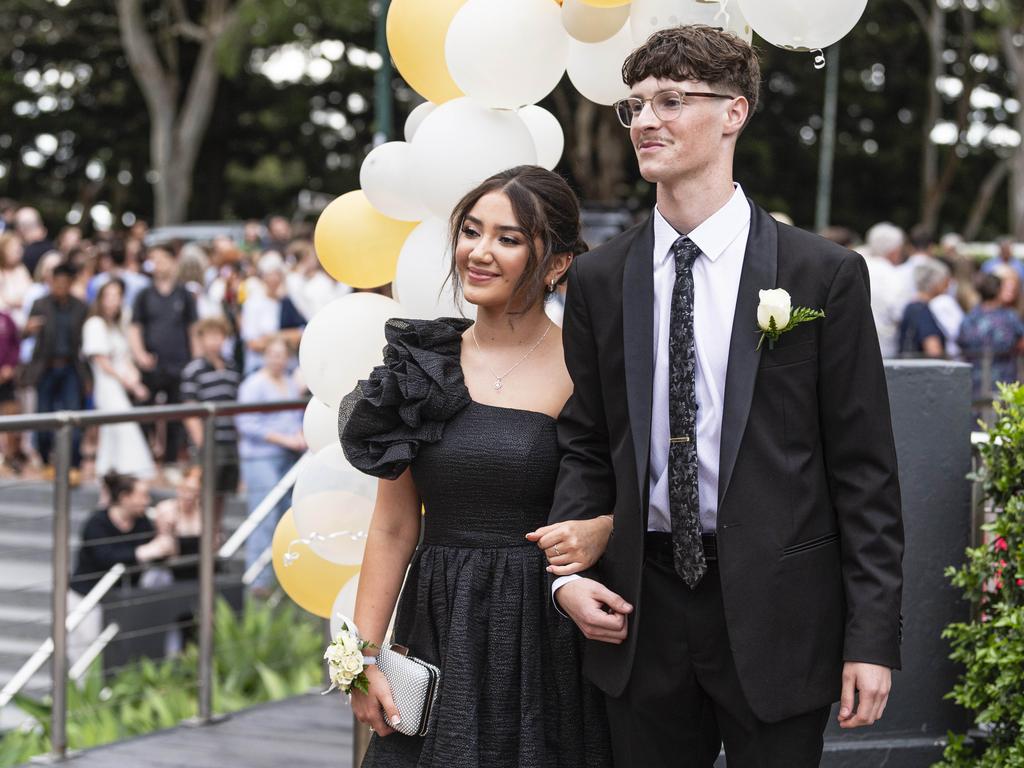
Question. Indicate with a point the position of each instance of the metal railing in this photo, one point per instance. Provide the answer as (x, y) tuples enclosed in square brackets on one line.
[(56, 647)]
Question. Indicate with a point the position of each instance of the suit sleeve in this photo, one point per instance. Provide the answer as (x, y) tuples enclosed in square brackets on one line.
[(860, 457), (586, 485)]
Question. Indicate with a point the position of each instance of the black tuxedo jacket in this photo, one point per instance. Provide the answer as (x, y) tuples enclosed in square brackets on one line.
[(810, 535)]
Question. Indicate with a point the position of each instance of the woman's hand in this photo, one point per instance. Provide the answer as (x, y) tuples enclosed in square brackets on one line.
[(573, 545), (367, 707)]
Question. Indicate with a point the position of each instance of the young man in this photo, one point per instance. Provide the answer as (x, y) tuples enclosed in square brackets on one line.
[(754, 572), (206, 379), (57, 369), (160, 338)]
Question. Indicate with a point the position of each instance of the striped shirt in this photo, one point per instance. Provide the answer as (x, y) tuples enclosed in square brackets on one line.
[(204, 383)]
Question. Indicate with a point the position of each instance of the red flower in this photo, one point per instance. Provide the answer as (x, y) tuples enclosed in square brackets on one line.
[(1001, 544), (1020, 582)]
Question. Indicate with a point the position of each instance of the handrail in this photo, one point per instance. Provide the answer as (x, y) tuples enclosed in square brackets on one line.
[(36, 660), (64, 423)]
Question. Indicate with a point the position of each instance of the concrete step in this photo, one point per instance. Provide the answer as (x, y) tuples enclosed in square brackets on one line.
[(24, 623), (15, 652)]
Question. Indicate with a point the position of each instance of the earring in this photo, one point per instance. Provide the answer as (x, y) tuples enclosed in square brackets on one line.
[(552, 287)]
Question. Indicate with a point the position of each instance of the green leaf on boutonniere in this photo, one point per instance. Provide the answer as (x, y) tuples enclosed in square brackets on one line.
[(797, 316)]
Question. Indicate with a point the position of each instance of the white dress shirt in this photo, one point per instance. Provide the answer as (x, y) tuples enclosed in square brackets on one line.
[(722, 239)]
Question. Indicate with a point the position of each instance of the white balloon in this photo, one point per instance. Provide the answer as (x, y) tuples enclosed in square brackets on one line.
[(344, 608), (384, 179), (799, 25), (547, 134), (416, 117), (648, 16), (332, 503), (505, 54), (590, 24), (459, 145), (596, 68), (343, 342), (422, 280), (319, 425)]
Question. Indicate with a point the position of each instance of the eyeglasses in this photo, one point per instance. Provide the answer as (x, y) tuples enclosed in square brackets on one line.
[(667, 105)]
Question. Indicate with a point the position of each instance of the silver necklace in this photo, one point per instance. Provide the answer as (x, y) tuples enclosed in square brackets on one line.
[(499, 381)]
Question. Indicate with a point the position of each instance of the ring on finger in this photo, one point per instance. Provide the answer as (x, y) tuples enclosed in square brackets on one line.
[(556, 550)]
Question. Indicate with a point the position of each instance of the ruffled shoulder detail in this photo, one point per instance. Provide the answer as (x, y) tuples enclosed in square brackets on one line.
[(406, 401)]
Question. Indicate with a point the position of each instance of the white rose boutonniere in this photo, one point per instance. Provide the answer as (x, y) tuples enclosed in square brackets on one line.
[(776, 315)]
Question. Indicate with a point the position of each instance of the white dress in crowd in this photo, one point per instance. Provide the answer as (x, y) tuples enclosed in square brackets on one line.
[(122, 447)]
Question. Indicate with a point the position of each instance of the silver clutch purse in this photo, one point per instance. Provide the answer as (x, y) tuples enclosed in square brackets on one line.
[(414, 686)]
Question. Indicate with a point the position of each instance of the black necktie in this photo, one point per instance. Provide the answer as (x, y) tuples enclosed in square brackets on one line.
[(684, 499)]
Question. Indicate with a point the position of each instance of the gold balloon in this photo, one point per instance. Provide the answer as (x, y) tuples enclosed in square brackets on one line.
[(416, 30), (308, 579), (608, 3), (357, 244)]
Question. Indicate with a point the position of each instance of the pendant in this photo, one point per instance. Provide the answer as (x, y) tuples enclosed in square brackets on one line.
[(498, 384)]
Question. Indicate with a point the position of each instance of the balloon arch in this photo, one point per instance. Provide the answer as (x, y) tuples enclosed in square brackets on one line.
[(466, 58)]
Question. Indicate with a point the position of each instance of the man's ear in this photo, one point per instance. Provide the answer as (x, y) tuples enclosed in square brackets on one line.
[(736, 115)]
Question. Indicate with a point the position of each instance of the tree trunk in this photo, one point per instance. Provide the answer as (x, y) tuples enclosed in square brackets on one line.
[(176, 130), (1015, 63), (983, 200)]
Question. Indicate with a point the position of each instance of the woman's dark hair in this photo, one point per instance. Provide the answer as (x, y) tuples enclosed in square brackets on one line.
[(545, 207), (118, 485), (988, 285), (96, 310)]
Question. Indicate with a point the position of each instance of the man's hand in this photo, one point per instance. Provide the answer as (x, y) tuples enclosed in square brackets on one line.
[(598, 612), (872, 684)]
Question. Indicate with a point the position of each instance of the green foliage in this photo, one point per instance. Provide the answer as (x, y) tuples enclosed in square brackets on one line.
[(266, 653), (991, 646)]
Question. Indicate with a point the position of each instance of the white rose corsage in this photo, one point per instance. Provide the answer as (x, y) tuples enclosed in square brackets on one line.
[(346, 661), (776, 315)]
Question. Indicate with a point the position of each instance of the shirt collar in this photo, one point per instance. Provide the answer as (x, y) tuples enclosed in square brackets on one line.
[(712, 236)]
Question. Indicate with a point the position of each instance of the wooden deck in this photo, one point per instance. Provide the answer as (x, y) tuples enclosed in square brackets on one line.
[(310, 731)]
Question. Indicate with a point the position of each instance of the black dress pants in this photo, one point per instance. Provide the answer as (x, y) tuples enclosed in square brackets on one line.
[(684, 697)]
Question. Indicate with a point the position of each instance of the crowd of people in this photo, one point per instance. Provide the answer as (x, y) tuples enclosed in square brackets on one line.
[(119, 320), (933, 300)]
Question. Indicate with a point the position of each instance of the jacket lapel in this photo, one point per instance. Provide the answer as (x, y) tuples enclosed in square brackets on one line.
[(760, 271), (638, 339)]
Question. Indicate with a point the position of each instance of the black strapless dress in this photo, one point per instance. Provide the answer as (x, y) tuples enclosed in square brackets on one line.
[(477, 600)]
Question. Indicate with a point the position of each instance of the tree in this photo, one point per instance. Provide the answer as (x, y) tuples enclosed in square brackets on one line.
[(178, 119)]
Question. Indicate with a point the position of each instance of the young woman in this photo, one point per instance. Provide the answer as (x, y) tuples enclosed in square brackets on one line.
[(116, 381), (460, 420)]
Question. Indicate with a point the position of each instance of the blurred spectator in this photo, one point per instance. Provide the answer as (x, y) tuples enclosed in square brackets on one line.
[(182, 517), (252, 238), (843, 236), (15, 279), (7, 210), (881, 252), (1009, 287), (120, 533), (920, 334), (209, 378), (10, 344), (193, 270), (68, 239), (122, 447), (160, 336), (991, 339), (279, 234), (309, 287), (29, 226), (948, 312), (268, 311), (270, 444), (57, 369), (1004, 257), (113, 263)]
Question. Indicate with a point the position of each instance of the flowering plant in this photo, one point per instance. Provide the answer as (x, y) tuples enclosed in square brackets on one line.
[(346, 662)]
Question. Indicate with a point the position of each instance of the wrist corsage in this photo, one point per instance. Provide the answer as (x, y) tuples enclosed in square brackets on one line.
[(346, 661)]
